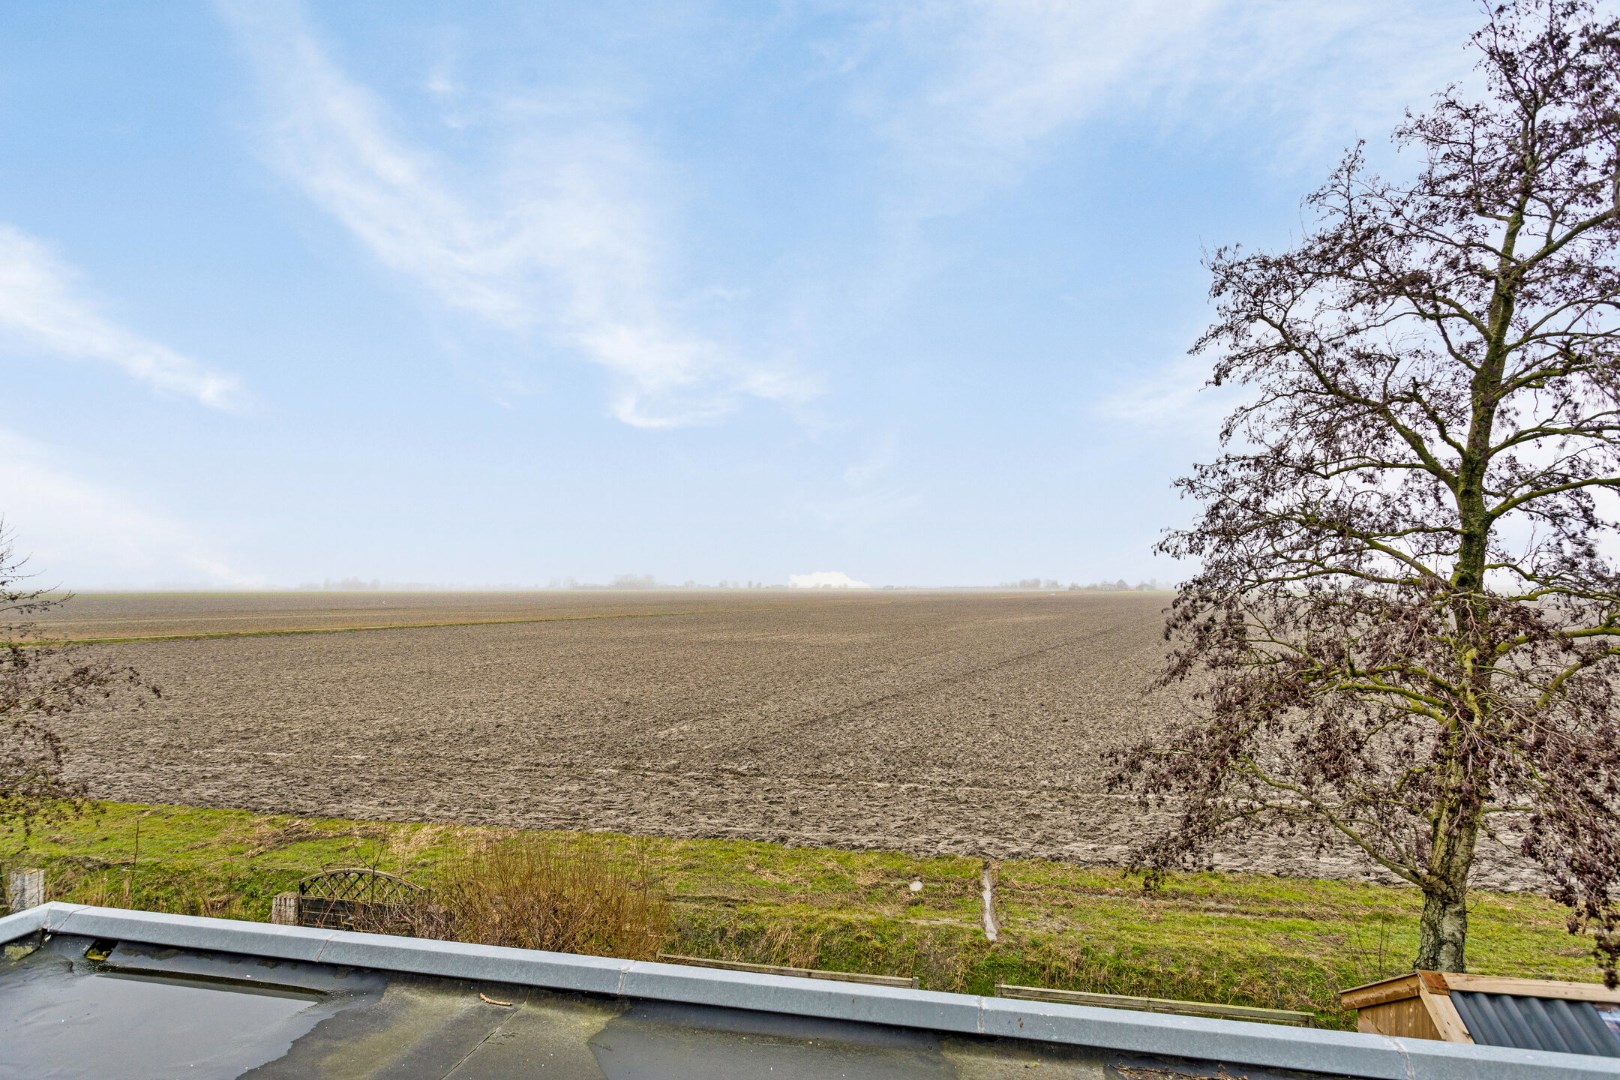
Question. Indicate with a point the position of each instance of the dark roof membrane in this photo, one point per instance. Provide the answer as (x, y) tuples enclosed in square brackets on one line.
[(1532, 1023)]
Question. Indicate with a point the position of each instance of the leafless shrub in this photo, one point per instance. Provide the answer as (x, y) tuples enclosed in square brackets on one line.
[(561, 894), (41, 682)]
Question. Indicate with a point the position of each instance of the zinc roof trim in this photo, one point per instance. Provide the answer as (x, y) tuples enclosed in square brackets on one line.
[(20, 924), (1234, 1042)]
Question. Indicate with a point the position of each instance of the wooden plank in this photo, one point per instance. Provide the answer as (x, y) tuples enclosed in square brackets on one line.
[(1446, 1019), (1407, 1019), (1542, 988), (1161, 1005), (1400, 988), (801, 973), (324, 914), (1434, 982)]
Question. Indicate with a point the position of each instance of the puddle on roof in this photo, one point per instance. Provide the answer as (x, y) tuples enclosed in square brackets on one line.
[(63, 1017)]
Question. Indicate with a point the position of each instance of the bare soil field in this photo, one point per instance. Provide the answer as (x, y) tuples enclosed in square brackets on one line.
[(965, 722), (196, 614)]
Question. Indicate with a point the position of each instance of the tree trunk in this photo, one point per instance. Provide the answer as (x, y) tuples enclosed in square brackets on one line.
[(1443, 930)]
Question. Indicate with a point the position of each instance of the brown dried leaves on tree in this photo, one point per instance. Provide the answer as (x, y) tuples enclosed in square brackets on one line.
[(1406, 628), (42, 683)]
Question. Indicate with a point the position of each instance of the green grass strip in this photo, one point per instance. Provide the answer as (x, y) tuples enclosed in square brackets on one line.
[(1240, 939)]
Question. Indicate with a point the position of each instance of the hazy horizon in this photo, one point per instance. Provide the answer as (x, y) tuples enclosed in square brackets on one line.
[(725, 585)]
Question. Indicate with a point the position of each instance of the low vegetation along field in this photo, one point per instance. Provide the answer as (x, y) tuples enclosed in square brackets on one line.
[(1242, 939), (962, 723)]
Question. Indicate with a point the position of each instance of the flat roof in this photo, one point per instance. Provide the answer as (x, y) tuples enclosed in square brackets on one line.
[(105, 991)]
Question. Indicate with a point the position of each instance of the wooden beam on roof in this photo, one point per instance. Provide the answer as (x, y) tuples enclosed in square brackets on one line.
[(1399, 988), (1541, 988), (1446, 1019)]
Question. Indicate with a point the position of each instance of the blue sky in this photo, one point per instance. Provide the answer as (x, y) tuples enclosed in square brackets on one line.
[(519, 292)]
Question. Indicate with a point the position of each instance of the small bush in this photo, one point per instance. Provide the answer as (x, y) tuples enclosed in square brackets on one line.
[(562, 894)]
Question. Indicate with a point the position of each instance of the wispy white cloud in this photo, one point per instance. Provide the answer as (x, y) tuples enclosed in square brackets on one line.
[(1175, 396), (1003, 78), (43, 307), (559, 232), (866, 470), (859, 509), (81, 532), (868, 496), (972, 93)]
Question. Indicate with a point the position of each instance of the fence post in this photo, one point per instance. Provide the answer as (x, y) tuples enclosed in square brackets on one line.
[(284, 909), (25, 889)]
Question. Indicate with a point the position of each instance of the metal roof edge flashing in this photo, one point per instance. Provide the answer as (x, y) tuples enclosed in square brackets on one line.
[(20, 924), (1234, 1042)]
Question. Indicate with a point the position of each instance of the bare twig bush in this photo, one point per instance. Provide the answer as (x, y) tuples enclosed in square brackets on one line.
[(561, 894), (44, 682)]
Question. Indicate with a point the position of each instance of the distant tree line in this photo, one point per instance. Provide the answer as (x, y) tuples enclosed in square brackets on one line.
[(1053, 585), (648, 581)]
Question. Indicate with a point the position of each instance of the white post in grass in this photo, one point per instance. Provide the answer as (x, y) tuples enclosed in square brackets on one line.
[(987, 895), (25, 889), (284, 909)]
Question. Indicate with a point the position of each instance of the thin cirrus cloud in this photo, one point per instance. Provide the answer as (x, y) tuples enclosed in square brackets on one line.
[(556, 234), (983, 91), (92, 533), (985, 87), (866, 499), (42, 307), (1175, 397), (970, 94)]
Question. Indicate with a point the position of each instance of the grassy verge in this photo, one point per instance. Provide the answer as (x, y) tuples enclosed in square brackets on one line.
[(1238, 939)]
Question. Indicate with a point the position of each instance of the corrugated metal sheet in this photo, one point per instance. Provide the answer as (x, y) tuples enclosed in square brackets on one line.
[(1531, 1023)]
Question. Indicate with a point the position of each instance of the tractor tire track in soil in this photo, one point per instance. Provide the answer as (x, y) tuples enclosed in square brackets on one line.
[(962, 722)]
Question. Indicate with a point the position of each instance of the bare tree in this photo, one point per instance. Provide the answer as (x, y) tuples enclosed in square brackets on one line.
[(41, 682), (1405, 628)]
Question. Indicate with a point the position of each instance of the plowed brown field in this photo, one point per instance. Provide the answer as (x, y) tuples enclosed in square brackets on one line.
[(926, 722)]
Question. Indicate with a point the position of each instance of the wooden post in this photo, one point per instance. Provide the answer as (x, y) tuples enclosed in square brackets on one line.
[(284, 909), (25, 889), (987, 896)]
